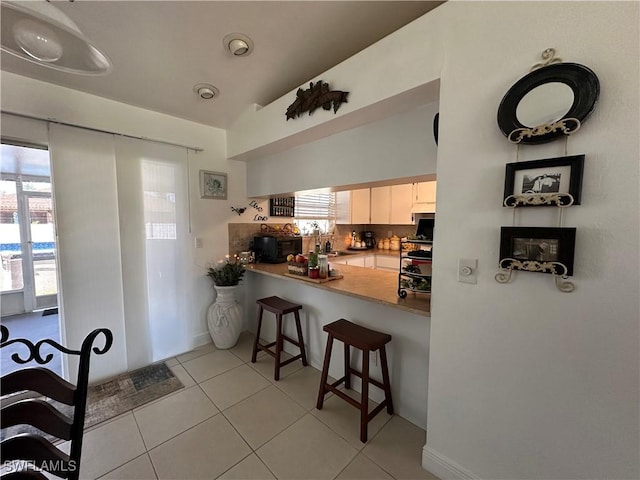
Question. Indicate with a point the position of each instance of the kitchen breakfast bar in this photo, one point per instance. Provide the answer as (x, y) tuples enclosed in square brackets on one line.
[(363, 296)]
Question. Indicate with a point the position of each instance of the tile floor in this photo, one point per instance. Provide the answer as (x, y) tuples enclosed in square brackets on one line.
[(232, 421)]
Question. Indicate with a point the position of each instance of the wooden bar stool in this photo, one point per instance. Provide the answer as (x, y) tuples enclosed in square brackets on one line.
[(368, 341), (279, 307)]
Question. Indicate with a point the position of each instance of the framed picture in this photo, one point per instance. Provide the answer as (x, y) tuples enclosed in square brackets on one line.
[(544, 182), (213, 185), (538, 249)]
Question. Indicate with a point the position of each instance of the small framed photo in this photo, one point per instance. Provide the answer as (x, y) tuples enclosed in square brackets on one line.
[(213, 185), (544, 182), (538, 249)]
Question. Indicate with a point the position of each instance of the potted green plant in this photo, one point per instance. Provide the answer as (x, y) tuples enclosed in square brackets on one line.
[(224, 316), (314, 270), (315, 226), (227, 275)]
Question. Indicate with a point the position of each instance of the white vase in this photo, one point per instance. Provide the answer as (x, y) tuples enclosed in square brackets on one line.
[(224, 318)]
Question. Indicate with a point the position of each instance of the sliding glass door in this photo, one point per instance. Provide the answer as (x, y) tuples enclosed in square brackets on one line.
[(41, 251), (28, 279)]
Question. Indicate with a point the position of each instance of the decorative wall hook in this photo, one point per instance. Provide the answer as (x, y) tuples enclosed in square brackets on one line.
[(548, 57), (561, 200), (557, 270), (566, 126)]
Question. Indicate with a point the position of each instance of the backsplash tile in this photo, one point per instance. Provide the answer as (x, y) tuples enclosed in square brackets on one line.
[(241, 235)]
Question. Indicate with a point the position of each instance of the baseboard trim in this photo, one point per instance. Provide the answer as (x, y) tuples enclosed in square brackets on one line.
[(443, 467), (201, 339)]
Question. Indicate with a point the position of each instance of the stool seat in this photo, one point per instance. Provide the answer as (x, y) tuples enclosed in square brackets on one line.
[(356, 335), (366, 340), (279, 307)]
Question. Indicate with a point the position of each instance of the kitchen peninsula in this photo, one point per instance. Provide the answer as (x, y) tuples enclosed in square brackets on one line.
[(365, 283), (364, 296)]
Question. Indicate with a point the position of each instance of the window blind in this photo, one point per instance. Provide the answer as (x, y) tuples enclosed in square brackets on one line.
[(315, 206)]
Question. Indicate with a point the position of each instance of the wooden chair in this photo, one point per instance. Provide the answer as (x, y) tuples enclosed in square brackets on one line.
[(31, 452)]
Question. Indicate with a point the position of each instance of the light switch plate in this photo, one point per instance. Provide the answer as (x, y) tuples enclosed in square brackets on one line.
[(198, 242), (467, 270)]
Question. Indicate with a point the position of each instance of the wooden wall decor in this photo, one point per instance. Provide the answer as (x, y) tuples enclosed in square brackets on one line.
[(315, 96)]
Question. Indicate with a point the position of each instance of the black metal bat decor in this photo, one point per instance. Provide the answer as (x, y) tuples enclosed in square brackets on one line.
[(315, 96), (238, 210)]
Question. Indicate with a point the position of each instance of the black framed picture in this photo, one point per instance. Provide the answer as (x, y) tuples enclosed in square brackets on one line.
[(544, 182), (538, 249)]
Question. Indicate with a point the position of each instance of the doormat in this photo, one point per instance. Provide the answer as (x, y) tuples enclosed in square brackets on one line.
[(128, 391), (118, 395), (50, 311)]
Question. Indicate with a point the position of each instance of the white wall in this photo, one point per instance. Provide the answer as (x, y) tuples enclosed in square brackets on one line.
[(524, 381), (393, 78), (209, 218), (399, 146)]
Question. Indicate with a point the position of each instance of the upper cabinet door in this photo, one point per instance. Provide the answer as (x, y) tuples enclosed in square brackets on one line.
[(352, 207), (381, 205), (425, 197), (360, 206), (401, 203), (425, 192)]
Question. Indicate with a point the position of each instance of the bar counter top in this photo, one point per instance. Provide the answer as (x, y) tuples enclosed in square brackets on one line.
[(365, 283)]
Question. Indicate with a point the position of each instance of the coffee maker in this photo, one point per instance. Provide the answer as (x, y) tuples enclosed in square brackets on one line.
[(368, 239)]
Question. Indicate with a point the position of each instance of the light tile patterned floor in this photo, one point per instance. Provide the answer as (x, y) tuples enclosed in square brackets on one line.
[(232, 421)]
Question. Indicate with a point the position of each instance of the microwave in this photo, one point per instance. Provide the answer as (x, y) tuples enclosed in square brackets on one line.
[(270, 249)]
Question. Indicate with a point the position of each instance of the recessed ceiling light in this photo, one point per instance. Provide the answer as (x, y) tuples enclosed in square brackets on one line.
[(237, 44), (206, 91)]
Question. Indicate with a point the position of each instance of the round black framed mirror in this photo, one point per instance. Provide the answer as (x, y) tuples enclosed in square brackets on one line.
[(546, 96), (436, 121)]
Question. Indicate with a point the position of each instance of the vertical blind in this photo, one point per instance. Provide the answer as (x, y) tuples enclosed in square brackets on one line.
[(122, 214)]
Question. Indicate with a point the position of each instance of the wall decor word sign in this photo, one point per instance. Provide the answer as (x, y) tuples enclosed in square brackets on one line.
[(258, 217), (316, 96), (213, 185)]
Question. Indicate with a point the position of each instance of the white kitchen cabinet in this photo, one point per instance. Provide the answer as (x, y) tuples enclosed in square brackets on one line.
[(366, 261), (392, 205), (387, 262), (400, 205), (353, 207), (425, 192), (381, 205), (424, 200)]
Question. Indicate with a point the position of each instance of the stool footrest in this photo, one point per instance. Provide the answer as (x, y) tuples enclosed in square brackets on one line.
[(342, 395), (289, 360), (377, 410), (290, 340), (331, 388), (265, 349), (371, 380)]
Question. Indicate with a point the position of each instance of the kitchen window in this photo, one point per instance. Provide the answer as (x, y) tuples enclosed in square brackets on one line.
[(315, 211)]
